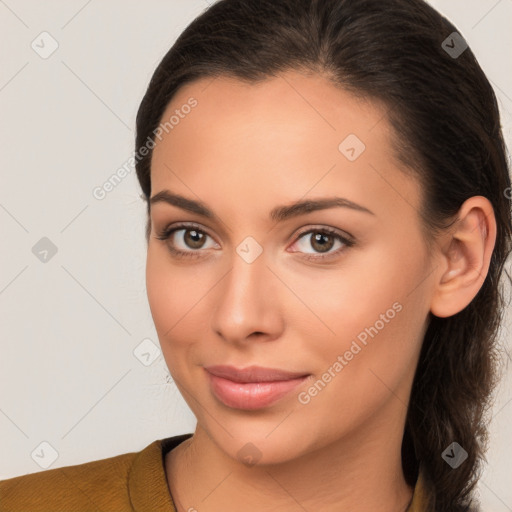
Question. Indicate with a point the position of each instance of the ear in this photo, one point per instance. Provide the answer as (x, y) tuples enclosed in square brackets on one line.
[(464, 257)]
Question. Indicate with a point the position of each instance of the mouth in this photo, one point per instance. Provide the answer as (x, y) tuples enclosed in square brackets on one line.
[(253, 387)]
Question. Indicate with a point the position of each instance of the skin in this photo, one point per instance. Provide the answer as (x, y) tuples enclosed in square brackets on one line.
[(242, 151)]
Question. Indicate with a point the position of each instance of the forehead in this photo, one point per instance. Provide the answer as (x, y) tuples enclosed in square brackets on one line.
[(291, 100), (283, 136)]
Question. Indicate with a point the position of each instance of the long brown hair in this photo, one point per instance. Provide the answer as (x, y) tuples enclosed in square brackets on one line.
[(447, 133)]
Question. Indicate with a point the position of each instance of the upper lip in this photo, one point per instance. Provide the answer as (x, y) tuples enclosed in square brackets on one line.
[(253, 373)]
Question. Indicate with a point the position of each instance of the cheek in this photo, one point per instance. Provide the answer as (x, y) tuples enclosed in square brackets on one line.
[(379, 322), (169, 299), (366, 364), (178, 297), (172, 290), (347, 300), (159, 290), (373, 310)]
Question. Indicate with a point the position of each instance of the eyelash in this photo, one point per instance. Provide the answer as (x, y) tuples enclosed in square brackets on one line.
[(167, 232)]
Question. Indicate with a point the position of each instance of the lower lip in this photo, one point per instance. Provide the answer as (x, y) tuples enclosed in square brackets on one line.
[(251, 395)]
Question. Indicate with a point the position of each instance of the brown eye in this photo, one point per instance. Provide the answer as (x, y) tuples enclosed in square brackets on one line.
[(322, 242), (193, 238), (187, 240)]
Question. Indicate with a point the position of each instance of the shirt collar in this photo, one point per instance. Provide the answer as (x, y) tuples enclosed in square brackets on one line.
[(149, 490), (419, 495), (147, 481)]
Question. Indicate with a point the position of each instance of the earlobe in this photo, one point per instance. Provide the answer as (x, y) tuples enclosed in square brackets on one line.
[(465, 262)]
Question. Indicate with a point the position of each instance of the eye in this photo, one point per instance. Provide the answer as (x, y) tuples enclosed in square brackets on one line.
[(188, 242), (322, 240)]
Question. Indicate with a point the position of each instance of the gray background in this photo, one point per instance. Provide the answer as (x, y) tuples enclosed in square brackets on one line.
[(79, 362)]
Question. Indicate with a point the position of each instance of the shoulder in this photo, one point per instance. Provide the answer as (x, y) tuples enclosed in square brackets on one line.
[(100, 485)]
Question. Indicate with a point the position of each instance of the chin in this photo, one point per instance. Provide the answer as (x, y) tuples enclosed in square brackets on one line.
[(261, 445)]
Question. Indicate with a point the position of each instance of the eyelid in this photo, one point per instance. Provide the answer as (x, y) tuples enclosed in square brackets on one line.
[(344, 237), (184, 225), (322, 227), (302, 231), (177, 226)]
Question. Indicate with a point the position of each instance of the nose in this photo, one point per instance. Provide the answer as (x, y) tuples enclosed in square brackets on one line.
[(248, 304)]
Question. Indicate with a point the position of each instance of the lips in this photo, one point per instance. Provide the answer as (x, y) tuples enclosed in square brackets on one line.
[(253, 387), (253, 373)]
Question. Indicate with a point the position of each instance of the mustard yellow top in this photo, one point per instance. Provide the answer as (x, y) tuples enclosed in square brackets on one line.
[(131, 482)]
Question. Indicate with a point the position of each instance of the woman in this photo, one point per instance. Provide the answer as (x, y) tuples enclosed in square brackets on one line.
[(328, 219)]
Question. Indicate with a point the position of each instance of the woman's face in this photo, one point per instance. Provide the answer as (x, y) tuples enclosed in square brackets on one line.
[(262, 283)]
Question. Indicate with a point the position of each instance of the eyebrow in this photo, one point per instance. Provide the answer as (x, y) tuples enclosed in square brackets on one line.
[(278, 214)]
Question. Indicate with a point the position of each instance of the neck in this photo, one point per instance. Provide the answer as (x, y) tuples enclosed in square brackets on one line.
[(361, 471)]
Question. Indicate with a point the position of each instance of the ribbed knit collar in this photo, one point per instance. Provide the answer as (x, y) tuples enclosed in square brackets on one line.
[(149, 490)]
